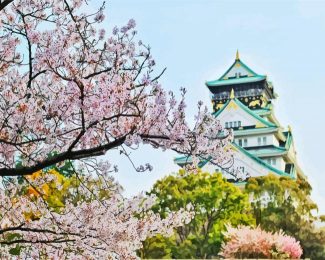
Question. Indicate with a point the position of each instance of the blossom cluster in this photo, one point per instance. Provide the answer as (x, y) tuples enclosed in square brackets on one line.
[(250, 242), (79, 92), (90, 228)]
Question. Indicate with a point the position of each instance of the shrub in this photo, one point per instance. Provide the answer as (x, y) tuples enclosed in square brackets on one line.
[(247, 242)]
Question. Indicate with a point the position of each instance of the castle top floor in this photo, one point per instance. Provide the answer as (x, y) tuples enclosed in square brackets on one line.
[(252, 89)]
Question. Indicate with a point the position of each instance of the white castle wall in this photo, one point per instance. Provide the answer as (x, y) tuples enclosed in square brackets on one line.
[(242, 163), (276, 162), (253, 140), (238, 115)]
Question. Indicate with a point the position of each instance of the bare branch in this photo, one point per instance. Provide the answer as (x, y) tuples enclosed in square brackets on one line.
[(4, 3)]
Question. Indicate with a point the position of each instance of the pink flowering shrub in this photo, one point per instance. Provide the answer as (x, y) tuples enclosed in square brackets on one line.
[(254, 243), (288, 245)]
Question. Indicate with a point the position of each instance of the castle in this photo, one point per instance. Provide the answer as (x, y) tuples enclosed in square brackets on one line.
[(242, 100)]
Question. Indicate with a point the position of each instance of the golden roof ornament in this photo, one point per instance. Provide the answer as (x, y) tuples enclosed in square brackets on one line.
[(232, 94), (237, 55)]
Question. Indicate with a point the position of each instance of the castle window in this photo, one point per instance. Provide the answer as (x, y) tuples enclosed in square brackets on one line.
[(240, 142), (273, 161), (232, 124), (259, 141), (245, 142), (264, 140)]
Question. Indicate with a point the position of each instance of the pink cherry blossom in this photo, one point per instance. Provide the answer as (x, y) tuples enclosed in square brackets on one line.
[(68, 89), (87, 229), (250, 242)]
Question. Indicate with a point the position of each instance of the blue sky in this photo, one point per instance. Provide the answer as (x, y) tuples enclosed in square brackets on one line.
[(197, 41)]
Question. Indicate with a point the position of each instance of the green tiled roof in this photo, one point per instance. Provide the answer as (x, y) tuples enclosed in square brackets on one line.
[(258, 160), (268, 151), (185, 159), (254, 131), (262, 111), (289, 140), (225, 82), (249, 111), (239, 63)]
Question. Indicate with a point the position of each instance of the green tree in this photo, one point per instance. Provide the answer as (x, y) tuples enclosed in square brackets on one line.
[(283, 203), (215, 203)]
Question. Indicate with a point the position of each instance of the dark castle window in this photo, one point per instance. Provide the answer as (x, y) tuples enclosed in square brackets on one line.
[(288, 167), (233, 124)]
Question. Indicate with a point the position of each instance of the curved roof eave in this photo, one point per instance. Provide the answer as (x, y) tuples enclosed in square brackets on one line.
[(227, 82)]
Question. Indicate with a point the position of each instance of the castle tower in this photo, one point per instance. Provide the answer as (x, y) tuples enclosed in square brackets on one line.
[(250, 88), (242, 100)]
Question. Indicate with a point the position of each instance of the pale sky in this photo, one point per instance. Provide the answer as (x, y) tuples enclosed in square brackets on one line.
[(197, 39)]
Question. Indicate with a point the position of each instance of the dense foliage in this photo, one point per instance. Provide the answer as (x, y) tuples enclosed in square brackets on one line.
[(280, 207), (215, 203)]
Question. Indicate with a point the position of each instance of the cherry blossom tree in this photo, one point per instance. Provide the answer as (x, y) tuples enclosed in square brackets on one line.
[(68, 89), (84, 229), (70, 92)]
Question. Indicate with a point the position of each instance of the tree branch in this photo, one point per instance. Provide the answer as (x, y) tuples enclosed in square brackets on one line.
[(4, 3), (69, 155)]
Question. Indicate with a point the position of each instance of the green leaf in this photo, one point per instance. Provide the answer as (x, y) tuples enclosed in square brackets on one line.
[(12, 236), (16, 250)]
